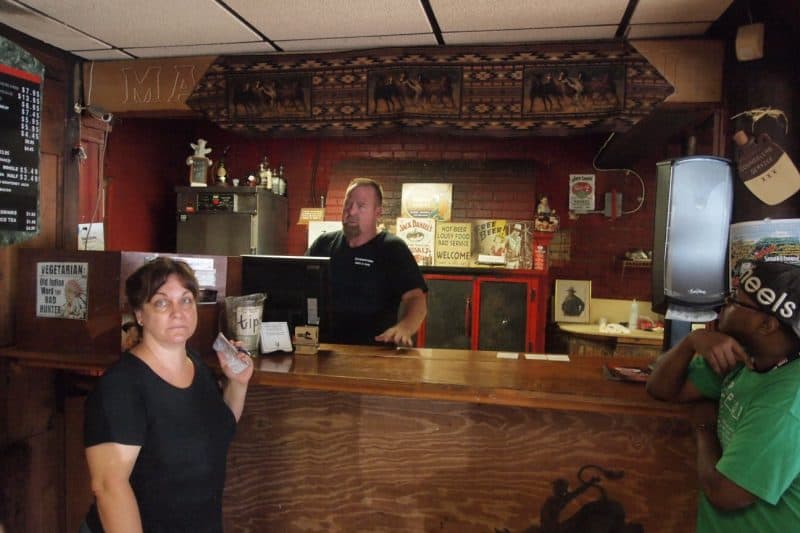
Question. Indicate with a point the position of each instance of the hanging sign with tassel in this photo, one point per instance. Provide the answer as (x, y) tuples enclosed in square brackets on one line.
[(762, 165)]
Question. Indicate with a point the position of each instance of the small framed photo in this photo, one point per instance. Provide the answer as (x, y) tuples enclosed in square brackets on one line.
[(198, 171), (571, 300)]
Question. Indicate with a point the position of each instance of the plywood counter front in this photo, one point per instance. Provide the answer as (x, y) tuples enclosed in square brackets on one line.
[(418, 440)]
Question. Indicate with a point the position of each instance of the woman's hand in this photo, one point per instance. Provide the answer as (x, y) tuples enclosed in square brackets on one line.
[(242, 377), (235, 390)]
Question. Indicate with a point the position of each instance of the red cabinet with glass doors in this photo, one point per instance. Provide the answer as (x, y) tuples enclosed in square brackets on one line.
[(482, 309)]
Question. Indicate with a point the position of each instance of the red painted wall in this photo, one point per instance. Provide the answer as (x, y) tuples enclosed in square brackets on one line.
[(146, 159)]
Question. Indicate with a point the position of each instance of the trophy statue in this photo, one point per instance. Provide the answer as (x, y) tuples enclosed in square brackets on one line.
[(199, 164)]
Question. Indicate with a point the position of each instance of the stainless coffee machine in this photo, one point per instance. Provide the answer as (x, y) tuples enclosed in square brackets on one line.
[(231, 221)]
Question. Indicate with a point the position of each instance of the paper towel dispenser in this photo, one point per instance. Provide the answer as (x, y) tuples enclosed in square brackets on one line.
[(694, 202)]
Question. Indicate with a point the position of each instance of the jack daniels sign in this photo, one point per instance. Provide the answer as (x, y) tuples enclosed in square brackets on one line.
[(544, 89), (21, 78)]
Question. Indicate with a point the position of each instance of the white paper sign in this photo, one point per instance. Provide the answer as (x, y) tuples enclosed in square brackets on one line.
[(61, 290), (312, 310), (91, 236), (275, 336), (203, 268), (318, 227), (581, 192)]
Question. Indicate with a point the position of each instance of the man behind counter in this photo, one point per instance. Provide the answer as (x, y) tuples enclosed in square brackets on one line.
[(378, 292)]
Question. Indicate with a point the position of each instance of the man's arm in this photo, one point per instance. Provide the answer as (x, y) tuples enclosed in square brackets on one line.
[(669, 378), (668, 381), (413, 309), (723, 493)]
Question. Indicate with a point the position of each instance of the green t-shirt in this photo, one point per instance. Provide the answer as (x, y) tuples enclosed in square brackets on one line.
[(759, 430)]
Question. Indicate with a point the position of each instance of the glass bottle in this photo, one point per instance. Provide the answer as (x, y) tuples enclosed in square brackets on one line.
[(281, 182), (262, 172), (222, 172)]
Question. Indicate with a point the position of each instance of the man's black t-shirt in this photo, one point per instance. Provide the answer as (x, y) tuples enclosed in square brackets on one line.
[(367, 284), (184, 435)]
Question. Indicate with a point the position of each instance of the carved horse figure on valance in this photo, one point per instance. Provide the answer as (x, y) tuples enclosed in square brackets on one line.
[(537, 89)]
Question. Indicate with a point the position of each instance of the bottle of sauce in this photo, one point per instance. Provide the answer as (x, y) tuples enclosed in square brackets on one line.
[(281, 182), (633, 317), (263, 173)]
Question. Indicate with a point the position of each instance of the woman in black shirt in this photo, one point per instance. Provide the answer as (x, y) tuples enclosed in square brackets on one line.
[(157, 425)]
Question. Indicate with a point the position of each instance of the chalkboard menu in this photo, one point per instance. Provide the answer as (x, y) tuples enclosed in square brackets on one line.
[(20, 121)]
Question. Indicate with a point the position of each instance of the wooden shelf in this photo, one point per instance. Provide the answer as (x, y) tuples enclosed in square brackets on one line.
[(628, 263)]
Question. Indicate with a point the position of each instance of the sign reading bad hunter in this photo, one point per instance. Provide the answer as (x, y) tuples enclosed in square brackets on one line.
[(61, 290), (546, 89)]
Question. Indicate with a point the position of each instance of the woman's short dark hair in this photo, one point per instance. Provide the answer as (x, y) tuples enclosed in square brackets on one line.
[(145, 282)]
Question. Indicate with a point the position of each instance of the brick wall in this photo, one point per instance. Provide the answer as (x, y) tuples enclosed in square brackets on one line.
[(496, 188), (316, 167)]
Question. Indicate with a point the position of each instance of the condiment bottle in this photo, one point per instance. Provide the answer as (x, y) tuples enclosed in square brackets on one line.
[(633, 317)]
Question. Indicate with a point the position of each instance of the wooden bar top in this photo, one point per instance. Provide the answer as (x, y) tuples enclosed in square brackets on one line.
[(441, 374)]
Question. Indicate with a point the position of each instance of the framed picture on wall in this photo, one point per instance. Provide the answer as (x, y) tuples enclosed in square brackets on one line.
[(571, 300)]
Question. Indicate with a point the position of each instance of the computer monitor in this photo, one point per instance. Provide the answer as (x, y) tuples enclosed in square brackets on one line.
[(297, 288)]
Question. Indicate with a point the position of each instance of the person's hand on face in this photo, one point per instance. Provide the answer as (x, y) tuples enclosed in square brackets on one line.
[(722, 352)]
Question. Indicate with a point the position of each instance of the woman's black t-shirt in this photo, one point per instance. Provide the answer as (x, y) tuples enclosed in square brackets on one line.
[(179, 475)]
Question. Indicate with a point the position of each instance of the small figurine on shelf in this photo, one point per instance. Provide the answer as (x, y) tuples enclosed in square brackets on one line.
[(543, 209), (546, 217), (199, 164)]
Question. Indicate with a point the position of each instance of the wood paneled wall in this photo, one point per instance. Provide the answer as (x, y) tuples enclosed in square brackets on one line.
[(57, 131), (32, 482), (317, 461)]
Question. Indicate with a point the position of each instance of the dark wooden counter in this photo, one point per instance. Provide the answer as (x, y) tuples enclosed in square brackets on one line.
[(439, 374), (464, 376), (417, 440)]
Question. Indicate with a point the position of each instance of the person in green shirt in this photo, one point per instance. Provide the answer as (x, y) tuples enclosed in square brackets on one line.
[(748, 436)]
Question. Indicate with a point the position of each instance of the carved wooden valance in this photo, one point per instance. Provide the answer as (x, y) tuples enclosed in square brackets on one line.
[(545, 89)]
